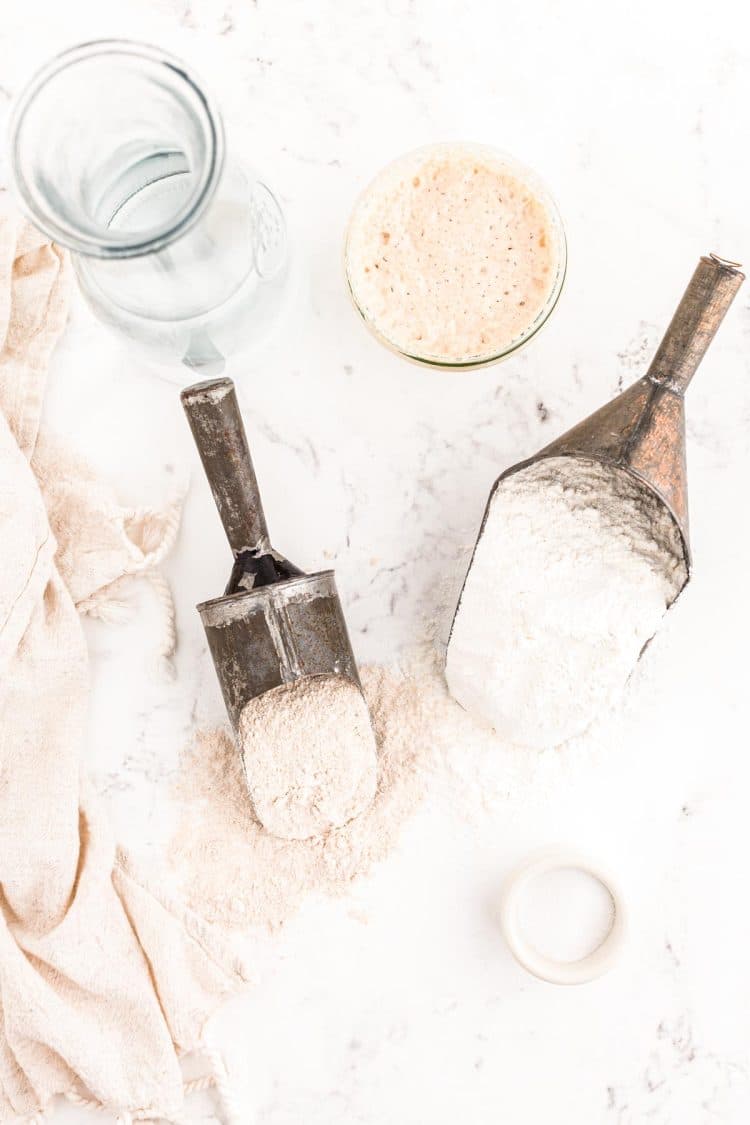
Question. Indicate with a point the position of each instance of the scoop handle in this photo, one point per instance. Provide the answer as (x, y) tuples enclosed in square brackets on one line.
[(214, 417), (704, 304)]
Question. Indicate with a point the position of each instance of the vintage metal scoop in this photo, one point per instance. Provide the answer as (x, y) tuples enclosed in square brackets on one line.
[(274, 624), (642, 431)]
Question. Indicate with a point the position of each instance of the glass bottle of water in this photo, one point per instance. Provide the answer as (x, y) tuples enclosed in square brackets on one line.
[(118, 153)]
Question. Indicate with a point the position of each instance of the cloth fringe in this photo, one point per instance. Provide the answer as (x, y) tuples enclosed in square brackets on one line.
[(158, 534), (153, 534), (217, 1078)]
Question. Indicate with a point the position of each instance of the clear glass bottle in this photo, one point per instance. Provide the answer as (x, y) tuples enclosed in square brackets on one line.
[(118, 153)]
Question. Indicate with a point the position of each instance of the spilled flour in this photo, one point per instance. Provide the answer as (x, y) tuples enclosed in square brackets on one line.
[(239, 875), (572, 574), (309, 754)]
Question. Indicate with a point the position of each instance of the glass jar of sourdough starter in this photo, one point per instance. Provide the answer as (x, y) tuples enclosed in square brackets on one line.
[(118, 153), (455, 255)]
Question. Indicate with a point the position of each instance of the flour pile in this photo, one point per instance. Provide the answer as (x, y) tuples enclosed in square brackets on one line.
[(571, 576), (241, 874), (309, 755)]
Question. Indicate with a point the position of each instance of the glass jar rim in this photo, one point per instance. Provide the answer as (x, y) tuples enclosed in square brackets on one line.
[(121, 245), (530, 177)]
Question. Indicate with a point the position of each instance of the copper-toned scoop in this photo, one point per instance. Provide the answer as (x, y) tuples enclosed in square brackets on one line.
[(642, 431)]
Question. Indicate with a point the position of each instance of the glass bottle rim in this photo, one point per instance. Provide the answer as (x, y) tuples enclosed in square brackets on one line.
[(120, 244)]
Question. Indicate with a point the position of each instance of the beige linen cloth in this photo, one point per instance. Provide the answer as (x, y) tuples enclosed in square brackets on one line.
[(104, 980)]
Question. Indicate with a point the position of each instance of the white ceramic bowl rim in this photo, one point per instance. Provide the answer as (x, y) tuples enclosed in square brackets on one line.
[(588, 968)]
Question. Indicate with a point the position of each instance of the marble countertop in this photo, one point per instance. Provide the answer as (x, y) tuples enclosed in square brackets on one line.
[(401, 1005)]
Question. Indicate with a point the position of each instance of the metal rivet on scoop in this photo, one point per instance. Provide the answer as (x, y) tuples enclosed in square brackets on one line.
[(274, 624)]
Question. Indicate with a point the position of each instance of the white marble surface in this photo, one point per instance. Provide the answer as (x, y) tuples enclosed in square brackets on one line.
[(637, 116)]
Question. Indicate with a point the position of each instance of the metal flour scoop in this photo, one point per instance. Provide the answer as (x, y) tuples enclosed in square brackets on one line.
[(642, 431), (274, 624)]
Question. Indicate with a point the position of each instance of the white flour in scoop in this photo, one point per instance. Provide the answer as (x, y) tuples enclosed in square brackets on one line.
[(571, 576), (309, 755)]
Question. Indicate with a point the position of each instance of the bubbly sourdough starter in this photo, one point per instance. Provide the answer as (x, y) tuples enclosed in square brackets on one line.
[(451, 256)]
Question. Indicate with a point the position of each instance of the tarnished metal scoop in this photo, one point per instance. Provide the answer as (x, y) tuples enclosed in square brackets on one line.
[(642, 431), (274, 624)]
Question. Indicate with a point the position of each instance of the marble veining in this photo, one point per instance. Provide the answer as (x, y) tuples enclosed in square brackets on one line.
[(401, 1005)]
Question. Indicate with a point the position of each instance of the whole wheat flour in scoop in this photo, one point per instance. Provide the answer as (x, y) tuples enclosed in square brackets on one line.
[(309, 754), (243, 875)]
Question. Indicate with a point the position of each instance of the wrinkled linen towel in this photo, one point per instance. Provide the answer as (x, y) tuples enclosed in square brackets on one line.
[(104, 979)]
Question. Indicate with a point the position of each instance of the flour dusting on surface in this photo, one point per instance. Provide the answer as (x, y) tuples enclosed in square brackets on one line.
[(236, 874), (239, 875)]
